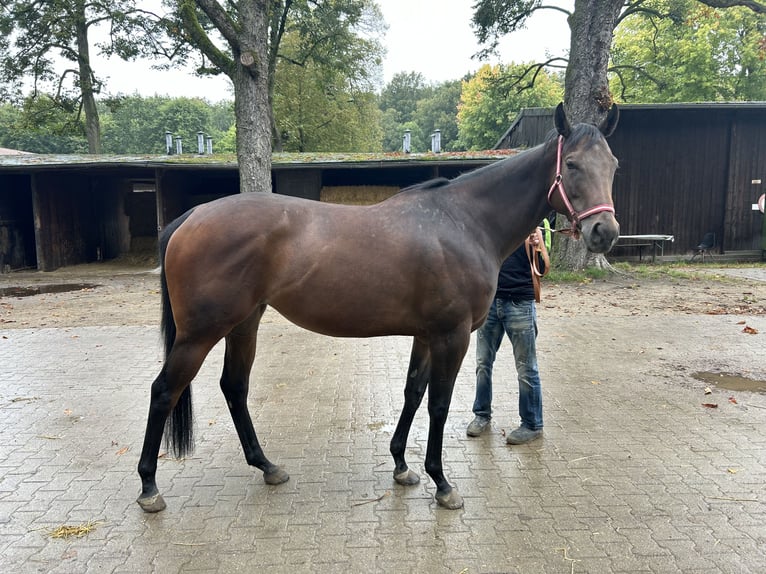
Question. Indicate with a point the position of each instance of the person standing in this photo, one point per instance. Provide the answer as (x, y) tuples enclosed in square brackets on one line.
[(513, 312)]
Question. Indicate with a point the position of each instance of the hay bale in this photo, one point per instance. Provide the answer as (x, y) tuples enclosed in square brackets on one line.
[(357, 194)]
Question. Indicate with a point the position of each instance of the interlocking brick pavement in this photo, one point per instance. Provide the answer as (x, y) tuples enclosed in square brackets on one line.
[(633, 474)]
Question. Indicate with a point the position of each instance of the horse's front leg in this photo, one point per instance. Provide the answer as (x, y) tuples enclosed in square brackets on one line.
[(418, 374), (447, 354), (235, 382)]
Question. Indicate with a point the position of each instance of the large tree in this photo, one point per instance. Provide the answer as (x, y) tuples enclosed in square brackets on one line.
[(244, 58), (36, 35), (252, 32), (586, 87)]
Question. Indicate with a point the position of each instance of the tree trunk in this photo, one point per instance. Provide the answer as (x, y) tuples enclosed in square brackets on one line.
[(92, 123), (587, 97), (251, 99)]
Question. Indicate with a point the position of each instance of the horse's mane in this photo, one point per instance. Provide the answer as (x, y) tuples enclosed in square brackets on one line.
[(430, 184), (587, 133)]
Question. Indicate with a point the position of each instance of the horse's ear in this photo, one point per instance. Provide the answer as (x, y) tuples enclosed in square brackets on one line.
[(561, 121), (609, 123)]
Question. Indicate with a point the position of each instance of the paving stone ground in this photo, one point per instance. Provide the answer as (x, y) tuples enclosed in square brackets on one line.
[(633, 475)]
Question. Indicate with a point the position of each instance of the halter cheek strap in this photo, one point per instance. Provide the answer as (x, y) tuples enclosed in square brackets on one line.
[(574, 217)]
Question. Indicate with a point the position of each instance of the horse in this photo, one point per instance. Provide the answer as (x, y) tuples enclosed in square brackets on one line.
[(423, 263)]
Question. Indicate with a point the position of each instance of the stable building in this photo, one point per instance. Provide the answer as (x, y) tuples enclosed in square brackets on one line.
[(64, 210)]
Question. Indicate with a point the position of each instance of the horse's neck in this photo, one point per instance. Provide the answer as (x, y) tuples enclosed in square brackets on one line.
[(514, 200)]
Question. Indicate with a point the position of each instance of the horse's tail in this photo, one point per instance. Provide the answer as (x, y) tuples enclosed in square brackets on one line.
[(178, 428)]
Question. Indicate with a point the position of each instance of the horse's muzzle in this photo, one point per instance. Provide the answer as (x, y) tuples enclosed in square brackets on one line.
[(600, 232)]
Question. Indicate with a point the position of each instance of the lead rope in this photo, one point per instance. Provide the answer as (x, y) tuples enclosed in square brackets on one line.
[(534, 253)]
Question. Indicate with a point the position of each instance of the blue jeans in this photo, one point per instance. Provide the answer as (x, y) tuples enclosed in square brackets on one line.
[(519, 321)]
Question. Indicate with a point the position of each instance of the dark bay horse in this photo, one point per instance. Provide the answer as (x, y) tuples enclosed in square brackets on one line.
[(423, 263)]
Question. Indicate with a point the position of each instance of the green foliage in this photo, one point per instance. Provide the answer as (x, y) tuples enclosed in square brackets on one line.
[(339, 36), (685, 51), (227, 142), (491, 99), (137, 125), (318, 107), (438, 110), (402, 94), (408, 102), (130, 125), (38, 36), (40, 125)]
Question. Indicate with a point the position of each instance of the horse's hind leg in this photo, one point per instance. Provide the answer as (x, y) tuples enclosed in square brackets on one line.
[(235, 382), (181, 365), (418, 374)]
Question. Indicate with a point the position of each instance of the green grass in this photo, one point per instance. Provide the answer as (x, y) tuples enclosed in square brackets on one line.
[(674, 270)]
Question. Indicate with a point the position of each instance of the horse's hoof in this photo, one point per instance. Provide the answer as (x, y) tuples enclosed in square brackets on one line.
[(407, 478), (451, 499), (275, 476), (153, 503)]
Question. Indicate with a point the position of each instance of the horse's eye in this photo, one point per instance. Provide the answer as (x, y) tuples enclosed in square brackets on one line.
[(571, 164)]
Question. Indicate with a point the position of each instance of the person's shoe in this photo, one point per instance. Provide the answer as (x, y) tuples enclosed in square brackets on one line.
[(477, 426), (523, 435)]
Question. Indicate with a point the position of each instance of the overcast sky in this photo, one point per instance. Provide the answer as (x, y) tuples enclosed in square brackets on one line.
[(433, 37)]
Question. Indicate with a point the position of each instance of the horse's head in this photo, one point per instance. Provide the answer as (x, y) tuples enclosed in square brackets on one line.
[(582, 188)]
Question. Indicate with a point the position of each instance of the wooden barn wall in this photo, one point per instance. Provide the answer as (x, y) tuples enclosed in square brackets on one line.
[(141, 213), (531, 130), (305, 183), (743, 227), (17, 232), (64, 220), (108, 196), (672, 175), (689, 172), (180, 190), (77, 219)]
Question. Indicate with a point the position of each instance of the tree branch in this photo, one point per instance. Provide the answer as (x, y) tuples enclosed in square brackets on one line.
[(228, 28), (754, 5), (201, 40), (638, 70), (535, 70)]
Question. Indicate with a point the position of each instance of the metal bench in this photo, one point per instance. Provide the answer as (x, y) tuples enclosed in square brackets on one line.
[(656, 242)]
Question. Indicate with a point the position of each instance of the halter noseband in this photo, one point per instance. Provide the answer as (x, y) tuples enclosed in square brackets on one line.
[(574, 217)]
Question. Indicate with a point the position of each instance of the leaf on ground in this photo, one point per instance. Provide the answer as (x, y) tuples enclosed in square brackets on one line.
[(750, 330), (710, 405)]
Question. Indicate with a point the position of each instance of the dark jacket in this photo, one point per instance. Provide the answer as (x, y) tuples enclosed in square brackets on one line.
[(515, 279)]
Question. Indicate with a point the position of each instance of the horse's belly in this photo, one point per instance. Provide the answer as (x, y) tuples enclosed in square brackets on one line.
[(339, 315)]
